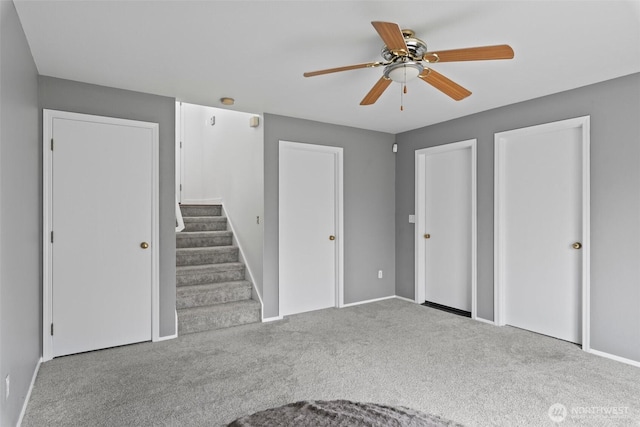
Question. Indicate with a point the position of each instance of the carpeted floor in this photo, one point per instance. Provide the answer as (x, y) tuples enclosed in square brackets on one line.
[(390, 352)]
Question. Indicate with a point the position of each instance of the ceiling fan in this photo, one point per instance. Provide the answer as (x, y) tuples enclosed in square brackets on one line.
[(406, 57)]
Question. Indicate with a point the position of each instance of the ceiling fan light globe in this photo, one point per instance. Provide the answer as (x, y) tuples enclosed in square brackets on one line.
[(403, 72)]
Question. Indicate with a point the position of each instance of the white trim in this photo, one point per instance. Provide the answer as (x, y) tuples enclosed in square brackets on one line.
[(338, 153), (405, 299), (614, 357), (272, 319), (170, 337), (178, 151), (352, 304), (420, 158), (28, 396), (499, 294), (490, 322), (179, 219), (47, 190), (212, 201), (243, 259), (586, 233)]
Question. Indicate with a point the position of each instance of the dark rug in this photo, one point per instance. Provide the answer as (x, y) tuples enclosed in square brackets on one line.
[(320, 413)]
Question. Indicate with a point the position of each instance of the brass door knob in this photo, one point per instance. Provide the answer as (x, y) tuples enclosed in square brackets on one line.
[(427, 236), (144, 245), (332, 237), (576, 245)]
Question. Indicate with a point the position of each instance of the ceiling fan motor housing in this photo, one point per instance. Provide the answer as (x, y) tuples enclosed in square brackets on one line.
[(416, 48), (403, 68)]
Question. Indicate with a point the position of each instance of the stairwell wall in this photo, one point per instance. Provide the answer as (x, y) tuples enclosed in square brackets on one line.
[(369, 208), (67, 95), (224, 163)]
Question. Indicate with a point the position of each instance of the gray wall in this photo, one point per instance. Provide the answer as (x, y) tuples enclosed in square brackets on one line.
[(66, 95), (20, 215), (614, 107), (369, 212)]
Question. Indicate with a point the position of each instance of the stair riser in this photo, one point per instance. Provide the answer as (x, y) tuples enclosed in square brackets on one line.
[(204, 210), (205, 226), (202, 278), (209, 297), (188, 323), (207, 257), (200, 242)]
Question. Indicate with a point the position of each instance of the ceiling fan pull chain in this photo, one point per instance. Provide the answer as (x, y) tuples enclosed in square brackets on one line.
[(403, 90)]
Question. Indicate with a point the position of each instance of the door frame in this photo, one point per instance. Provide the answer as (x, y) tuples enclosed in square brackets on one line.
[(500, 139), (420, 249), (338, 156), (47, 222)]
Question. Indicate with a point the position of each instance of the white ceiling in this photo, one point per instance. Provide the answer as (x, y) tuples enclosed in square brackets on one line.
[(256, 52)]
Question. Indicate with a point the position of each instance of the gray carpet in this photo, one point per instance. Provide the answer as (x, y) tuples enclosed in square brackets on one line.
[(390, 352)]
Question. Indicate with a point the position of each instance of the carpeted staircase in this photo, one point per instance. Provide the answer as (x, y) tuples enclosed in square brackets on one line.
[(212, 291)]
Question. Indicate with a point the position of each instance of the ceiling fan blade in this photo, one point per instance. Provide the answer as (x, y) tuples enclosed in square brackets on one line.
[(376, 91), (392, 37), (482, 53), (347, 68), (443, 84)]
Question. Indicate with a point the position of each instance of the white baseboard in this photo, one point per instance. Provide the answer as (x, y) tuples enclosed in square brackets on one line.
[(480, 319), (26, 399), (614, 357), (170, 337), (405, 299), (272, 319), (367, 301)]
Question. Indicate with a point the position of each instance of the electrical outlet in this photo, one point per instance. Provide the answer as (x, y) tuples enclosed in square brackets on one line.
[(7, 382), (379, 274)]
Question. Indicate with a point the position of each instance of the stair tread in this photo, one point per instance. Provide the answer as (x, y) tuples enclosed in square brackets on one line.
[(186, 269), (211, 286), (204, 233), (224, 248), (220, 308), (204, 218), (200, 210)]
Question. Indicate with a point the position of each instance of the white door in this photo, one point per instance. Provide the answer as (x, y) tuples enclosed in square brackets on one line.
[(446, 225), (101, 218), (309, 203), (541, 227)]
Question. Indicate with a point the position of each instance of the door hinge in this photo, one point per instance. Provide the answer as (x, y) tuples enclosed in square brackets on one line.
[(180, 144), (52, 237), (51, 144), (180, 187), (52, 329)]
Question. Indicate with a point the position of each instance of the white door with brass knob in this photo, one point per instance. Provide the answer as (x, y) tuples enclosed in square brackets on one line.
[(310, 241), (542, 222), (102, 257), (445, 230)]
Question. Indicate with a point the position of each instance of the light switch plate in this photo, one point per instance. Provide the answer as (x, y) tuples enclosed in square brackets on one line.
[(412, 219)]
